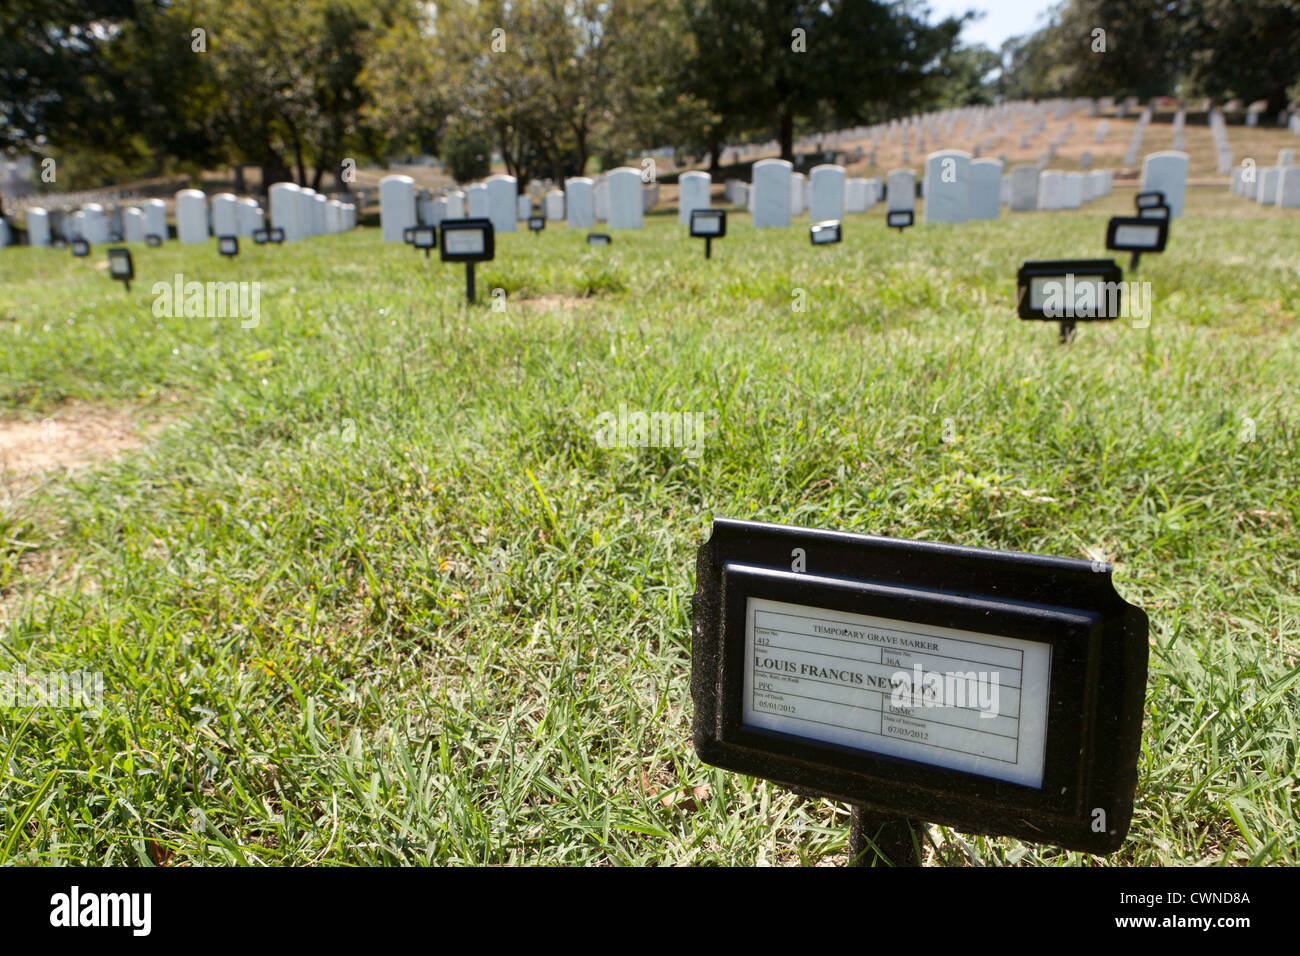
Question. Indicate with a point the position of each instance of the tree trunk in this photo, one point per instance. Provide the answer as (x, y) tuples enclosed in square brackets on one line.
[(580, 135), (787, 136), (317, 177), (240, 186), (1276, 99), (302, 167), (715, 155), (274, 171)]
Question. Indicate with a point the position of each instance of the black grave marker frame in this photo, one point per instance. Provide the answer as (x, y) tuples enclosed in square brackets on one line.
[(708, 224), (153, 240), (408, 235), (228, 246), (825, 233), (482, 248), (899, 219), (1084, 270), (1138, 234), (599, 239), (424, 237), (1158, 211), (121, 266), (536, 224), (1096, 685), (80, 248), (1150, 198)]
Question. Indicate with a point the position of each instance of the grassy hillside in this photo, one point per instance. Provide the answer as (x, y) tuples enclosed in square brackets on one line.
[(374, 594)]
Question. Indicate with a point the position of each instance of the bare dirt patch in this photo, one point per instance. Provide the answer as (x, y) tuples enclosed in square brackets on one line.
[(555, 301), (68, 439)]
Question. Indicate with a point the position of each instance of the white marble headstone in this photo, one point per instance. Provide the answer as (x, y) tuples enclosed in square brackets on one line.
[(985, 189), (306, 197), (94, 223), (947, 186), (476, 199), (155, 218), (855, 195), (133, 224), (248, 217), (502, 194), (38, 226), (900, 190), (1266, 185), (554, 205), (797, 184), (771, 195), (626, 204), (396, 207), (524, 207), (693, 194), (1051, 189), (1288, 187), (602, 199), (191, 216), (1166, 172), (223, 214), (1249, 183), (1073, 190), (424, 208), (455, 204), (826, 192), (580, 202)]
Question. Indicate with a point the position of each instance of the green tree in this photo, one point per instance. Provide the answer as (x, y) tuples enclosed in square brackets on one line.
[(1246, 48), (764, 63)]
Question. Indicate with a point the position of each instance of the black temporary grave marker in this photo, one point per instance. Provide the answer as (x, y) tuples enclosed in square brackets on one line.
[(994, 692), (898, 219), (120, 266), (468, 241), (1160, 211), (153, 240), (536, 223), (709, 224), (825, 233), (1068, 291), (80, 248), (1152, 198), (277, 236), (408, 235), (599, 238), (425, 237), (1137, 234), (228, 246)]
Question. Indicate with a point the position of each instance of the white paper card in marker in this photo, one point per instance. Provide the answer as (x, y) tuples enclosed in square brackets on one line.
[(463, 241), (957, 699), (1127, 236)]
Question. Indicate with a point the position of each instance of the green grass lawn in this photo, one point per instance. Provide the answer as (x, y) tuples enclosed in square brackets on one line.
[(373, 593)]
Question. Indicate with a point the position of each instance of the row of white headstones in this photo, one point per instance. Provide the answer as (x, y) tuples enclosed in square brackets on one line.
[(619, 198), (299, 211), (1269, 185), (956, 188)]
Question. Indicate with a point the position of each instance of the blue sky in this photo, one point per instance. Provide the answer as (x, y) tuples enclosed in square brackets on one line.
[(1002, 18)]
